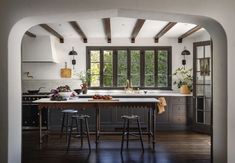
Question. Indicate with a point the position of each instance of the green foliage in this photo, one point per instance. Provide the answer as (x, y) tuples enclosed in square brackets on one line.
[(183, 76), (149, 68), (84, 76), (108, 69), (122, 68), (135, 56), (135, 68), (95, 56), (162, 68), (121, 80)]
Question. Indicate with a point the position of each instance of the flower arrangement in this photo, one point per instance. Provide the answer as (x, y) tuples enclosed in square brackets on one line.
[(84, 76), (183, 77)]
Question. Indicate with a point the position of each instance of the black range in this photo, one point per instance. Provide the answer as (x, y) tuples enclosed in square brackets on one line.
[(30, 111)]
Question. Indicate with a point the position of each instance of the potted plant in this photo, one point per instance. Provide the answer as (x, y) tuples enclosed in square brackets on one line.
[(84, 76), (183, 79)]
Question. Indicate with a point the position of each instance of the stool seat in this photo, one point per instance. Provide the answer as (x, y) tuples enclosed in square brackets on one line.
[(69, 111), (129, 116), (82, 116)]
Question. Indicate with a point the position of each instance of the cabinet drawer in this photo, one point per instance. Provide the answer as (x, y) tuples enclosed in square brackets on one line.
[(178, 100), (179, 110), (179, 119)]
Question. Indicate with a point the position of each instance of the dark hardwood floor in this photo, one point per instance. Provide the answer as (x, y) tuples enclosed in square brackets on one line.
[(171, 147)]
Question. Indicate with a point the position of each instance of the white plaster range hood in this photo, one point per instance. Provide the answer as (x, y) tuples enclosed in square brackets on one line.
[(40, 49)]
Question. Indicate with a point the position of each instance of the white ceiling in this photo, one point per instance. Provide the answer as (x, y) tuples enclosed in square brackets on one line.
[(120, 28)]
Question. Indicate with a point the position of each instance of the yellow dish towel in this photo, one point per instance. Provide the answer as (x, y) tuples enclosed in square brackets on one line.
[(161, 105)]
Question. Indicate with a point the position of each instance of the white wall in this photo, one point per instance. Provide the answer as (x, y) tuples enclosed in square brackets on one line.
[(41, 71), (52, 70), (214, 15)]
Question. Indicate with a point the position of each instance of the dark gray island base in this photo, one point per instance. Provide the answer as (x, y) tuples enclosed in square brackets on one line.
[(178, 115)]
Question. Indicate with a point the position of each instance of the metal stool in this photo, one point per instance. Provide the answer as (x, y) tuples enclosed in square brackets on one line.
[(82, 118), (66, 114), (126, 130)]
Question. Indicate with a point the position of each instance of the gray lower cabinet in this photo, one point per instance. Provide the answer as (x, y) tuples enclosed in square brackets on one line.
[(177, 116), (178, 112)]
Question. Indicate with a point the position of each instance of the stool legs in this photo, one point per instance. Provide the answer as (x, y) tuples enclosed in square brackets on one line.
[(81, 131), (70, 134), (67, 124), (62, 126), (126, 131), (88, 134), (140, 133), (65, 118), (127, 134), (123, 133)]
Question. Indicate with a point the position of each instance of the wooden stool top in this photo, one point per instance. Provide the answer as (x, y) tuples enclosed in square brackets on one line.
[(130, 116), (69, 111), (82, 116)]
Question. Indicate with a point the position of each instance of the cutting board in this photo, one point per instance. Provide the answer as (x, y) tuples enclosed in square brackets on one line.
[(65, 72)]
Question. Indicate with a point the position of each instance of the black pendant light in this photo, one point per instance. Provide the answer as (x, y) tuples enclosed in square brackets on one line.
[(73, 53), (184, 53)]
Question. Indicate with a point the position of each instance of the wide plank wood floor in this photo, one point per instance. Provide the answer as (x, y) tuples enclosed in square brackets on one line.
[(171, 147)]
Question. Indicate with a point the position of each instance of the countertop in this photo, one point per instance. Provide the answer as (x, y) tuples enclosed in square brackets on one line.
[(135, 93)]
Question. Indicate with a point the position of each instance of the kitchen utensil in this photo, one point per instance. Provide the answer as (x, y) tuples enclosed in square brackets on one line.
[(35, 91), (65, 72), (78, 91)]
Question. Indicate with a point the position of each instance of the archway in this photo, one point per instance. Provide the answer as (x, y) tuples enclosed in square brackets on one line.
[(219, 67)]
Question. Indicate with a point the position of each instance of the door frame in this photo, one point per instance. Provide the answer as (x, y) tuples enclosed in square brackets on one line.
[(208, 129)]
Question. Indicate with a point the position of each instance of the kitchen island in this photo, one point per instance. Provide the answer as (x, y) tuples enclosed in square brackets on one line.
[(150, 104), (177, 115)]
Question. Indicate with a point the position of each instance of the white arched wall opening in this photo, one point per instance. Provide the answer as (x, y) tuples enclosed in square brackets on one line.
[(219, 68)]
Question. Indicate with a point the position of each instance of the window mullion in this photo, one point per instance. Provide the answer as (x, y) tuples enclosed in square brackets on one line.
[(115, 68), (156, 67), (142, 68), (169, 61), (128, 64), (101, 67), (88, 63)]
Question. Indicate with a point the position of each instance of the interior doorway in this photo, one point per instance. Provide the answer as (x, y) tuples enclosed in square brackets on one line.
[(220, 96), (203, 84)]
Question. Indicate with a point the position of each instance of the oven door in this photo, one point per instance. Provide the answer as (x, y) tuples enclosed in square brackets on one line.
[(30, 116)]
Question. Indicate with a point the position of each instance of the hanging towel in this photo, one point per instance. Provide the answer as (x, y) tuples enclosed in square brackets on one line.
[(161, 105)]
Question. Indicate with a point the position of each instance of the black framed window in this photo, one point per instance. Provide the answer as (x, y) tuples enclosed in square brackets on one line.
[(144, 67)]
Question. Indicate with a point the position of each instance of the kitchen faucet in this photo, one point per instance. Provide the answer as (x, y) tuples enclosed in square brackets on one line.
[(128, 86)]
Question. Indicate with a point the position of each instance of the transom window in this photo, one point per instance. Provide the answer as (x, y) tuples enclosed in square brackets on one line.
[(144, 67)]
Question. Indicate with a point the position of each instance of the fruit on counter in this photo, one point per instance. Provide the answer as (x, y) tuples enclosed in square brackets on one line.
[(102, 97)]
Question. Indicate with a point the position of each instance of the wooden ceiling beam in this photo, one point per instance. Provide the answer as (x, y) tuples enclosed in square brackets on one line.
[(107, 29), (78, 29), (30, 34), (164, 30), (186, 34), (53, 32), (138, 25)]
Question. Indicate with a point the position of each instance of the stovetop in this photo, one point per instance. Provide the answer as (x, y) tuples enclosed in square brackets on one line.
[(36, 95), (27, 98)]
